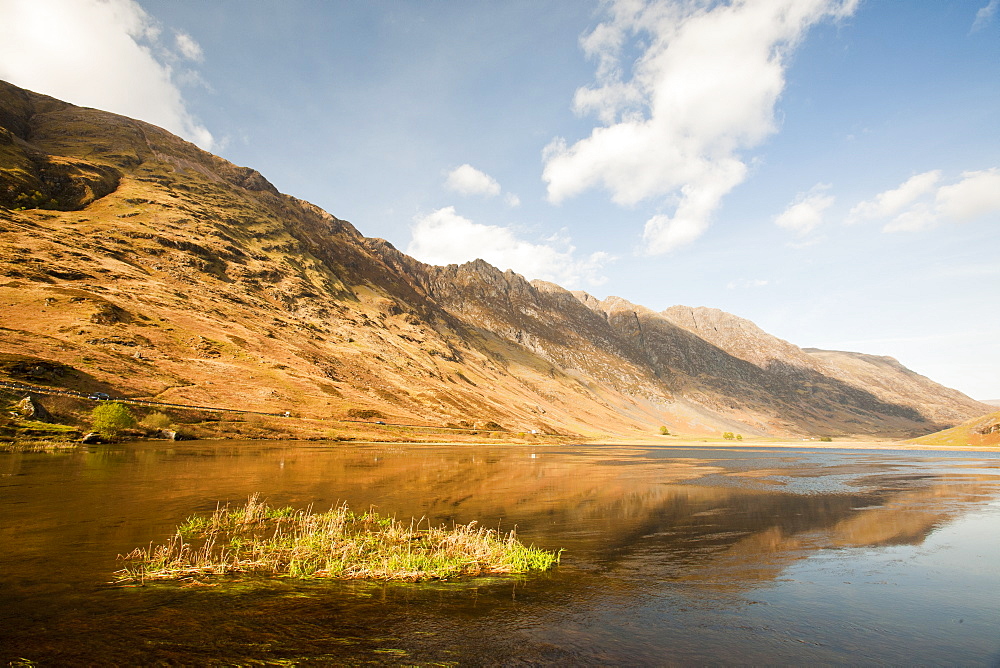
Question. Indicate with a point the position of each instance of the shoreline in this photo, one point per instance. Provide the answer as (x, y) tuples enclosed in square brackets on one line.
[(588, 441), (813, 445)]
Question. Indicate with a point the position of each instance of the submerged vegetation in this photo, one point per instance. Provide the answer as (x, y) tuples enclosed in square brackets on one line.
[(259, 539)]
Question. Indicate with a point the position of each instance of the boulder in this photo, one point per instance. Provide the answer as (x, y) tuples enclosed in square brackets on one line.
[(31, 408), (172, 435)]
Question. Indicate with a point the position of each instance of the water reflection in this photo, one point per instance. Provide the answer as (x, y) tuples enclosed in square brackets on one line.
[(667, 550)]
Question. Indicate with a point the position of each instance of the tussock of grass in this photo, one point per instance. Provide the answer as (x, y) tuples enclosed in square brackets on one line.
[(259, 539), (37, 445)]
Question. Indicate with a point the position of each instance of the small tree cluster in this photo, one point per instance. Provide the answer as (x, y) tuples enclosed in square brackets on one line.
[(156, 421), (664, 431), (730, 436), (34, 200), (111, 419)]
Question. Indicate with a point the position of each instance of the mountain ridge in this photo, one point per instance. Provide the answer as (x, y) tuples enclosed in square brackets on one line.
[(194, 279)]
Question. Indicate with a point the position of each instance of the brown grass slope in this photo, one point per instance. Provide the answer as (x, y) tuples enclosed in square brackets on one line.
[(136, 263), (982, 431)]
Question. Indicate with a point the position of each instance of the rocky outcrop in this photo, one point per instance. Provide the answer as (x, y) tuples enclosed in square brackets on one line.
[(173, 435), (30, 408)]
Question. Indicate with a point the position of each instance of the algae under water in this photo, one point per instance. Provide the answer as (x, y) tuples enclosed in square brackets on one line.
[(672, 555)]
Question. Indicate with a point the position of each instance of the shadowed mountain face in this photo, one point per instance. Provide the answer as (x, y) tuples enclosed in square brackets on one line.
[(135, 259)]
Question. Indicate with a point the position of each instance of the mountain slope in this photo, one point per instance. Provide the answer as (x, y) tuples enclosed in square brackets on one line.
[(982, 431), (133, 261)]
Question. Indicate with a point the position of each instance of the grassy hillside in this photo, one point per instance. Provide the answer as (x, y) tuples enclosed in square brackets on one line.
[(134, 264), (979, 432)]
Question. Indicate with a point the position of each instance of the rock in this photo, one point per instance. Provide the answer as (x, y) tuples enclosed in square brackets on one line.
[(173, 435), (92, 438), (31, 408)]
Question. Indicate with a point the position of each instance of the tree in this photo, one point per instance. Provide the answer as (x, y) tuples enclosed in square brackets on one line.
[(664, 431), (111, 419), (728, 435), (739, 437)]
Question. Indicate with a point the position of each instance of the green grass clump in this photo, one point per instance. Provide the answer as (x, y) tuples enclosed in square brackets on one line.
[(44, 427), (259, 539)]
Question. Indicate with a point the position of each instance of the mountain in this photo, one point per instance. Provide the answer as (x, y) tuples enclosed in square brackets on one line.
[(136, 264)]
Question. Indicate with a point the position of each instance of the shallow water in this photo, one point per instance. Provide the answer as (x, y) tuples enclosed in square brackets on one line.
[(671, 556)]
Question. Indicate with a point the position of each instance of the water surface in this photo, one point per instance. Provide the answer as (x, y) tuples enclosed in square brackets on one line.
[(672, 556)]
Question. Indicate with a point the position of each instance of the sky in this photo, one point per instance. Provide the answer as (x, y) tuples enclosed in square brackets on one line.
[(829, 169)]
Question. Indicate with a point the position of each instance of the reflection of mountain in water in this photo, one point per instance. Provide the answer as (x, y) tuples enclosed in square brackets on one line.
[(629, 508), (723, 522), (653, 516)]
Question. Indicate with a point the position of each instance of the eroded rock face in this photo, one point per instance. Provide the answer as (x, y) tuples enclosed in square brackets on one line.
[(993, 428)]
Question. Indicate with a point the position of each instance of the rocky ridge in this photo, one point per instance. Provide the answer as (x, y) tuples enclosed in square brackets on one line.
[(135, 261)]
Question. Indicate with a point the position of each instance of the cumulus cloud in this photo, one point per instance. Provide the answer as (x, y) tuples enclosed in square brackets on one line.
[(99, 53), (467, 180), (675, 121), (806, 213), (444, 237), (976, 195), (920, 203)]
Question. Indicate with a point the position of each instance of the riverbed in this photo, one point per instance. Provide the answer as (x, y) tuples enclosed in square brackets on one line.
[(672, 555)]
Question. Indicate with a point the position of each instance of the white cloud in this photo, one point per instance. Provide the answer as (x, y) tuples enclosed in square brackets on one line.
[(703, 89), (977, 194), (920, 203), (98, 53), (444, 237), (893, 202), (187, 47), (985, 15), (806, 213), (467, 180)]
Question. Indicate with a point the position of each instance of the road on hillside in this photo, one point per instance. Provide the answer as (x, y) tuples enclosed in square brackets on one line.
[(98, 396)]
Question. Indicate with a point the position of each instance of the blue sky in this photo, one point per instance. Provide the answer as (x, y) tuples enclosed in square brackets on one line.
[(829, 169)]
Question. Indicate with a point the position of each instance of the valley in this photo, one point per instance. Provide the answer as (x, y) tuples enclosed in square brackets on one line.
[(135, 264)]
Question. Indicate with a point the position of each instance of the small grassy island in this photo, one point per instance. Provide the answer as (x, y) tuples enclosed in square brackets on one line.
[(259, 539)]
